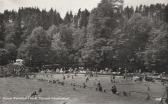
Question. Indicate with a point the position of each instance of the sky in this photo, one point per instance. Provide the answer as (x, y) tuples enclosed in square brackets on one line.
[(62, 6)]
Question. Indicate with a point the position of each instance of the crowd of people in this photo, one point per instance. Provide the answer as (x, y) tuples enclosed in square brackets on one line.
[(88, 73), (98, 86), (88, 76)]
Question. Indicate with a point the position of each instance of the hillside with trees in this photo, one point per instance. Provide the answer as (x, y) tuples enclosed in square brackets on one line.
[(110, 35)]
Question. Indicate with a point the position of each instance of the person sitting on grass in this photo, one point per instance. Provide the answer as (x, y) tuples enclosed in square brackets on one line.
[(39, 90), (63, 77), (84, 85), (33, 94), (99, 87), (87, 79), (114, 89), (111, 80), (74, 86)]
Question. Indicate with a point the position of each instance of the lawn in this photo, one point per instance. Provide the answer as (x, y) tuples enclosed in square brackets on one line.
[(21, 87)]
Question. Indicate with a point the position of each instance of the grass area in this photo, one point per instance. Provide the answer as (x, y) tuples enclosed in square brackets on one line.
[(20, 87)]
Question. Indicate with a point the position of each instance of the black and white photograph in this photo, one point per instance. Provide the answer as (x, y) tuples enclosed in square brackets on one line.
[(83, 51)]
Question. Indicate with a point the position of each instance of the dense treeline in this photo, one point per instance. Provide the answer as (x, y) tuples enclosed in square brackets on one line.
[(107, 36)]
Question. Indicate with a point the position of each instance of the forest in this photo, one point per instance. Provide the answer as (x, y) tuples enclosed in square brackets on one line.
[(110, 35)]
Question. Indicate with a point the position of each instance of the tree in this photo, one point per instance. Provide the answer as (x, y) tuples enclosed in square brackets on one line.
[(102, 23), (76, 19), (66, 36), (84, 18), (91, 54), (2, 30), (54, 17), (68, 18), (12, 51), (79, 38), (53, 30), (18, 31), (108, 35), (4, 57), (13, 32), (133, 41), (128, 12), (37, 47), (166, 13), (155, 54), (104, 19), (59, 50)]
